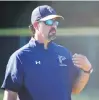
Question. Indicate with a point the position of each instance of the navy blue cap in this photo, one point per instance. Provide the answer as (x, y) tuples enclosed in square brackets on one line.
[(43, 13)]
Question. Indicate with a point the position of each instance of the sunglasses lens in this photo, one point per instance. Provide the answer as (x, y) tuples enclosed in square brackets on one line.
[(49, 22)]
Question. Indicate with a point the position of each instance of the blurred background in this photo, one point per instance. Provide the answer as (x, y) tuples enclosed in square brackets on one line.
[(79, 32)]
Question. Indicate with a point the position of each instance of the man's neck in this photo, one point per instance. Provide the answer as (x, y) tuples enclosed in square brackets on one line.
[(42, 41)]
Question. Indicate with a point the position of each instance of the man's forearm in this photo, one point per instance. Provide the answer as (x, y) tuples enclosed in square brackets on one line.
[(80, 83), (9, 95)]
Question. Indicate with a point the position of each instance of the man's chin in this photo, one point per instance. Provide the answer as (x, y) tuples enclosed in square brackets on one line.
[(52, 37)]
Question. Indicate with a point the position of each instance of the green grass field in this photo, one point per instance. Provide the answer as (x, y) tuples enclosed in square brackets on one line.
[(61, 31), (1, 95)]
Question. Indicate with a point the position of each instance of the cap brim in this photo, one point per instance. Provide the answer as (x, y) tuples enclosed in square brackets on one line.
[(51, 17)]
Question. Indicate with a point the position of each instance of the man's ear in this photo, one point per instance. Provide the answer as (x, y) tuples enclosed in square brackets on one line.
[(35, 25)]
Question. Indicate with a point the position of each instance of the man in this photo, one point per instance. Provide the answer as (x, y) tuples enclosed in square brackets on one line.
[(43, 70)]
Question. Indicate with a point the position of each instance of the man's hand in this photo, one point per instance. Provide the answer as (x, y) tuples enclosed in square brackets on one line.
[(82, 62)]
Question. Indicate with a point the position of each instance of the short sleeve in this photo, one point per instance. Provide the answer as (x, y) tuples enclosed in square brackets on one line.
[(74, 71), (14, 74)]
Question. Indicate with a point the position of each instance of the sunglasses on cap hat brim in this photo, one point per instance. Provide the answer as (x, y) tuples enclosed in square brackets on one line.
[(49, 20)]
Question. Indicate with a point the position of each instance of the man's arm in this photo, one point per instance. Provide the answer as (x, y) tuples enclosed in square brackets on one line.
[(9, 95), (80, 83), (83, 63), (13, 79)]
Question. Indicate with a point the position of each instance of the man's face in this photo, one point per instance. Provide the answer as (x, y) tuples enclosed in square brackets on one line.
[(47, 29)]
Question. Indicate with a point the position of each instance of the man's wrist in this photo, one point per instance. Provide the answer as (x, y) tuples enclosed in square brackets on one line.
[(89, 71)]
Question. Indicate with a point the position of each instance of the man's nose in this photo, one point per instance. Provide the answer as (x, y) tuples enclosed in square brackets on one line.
[(54, 25)]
